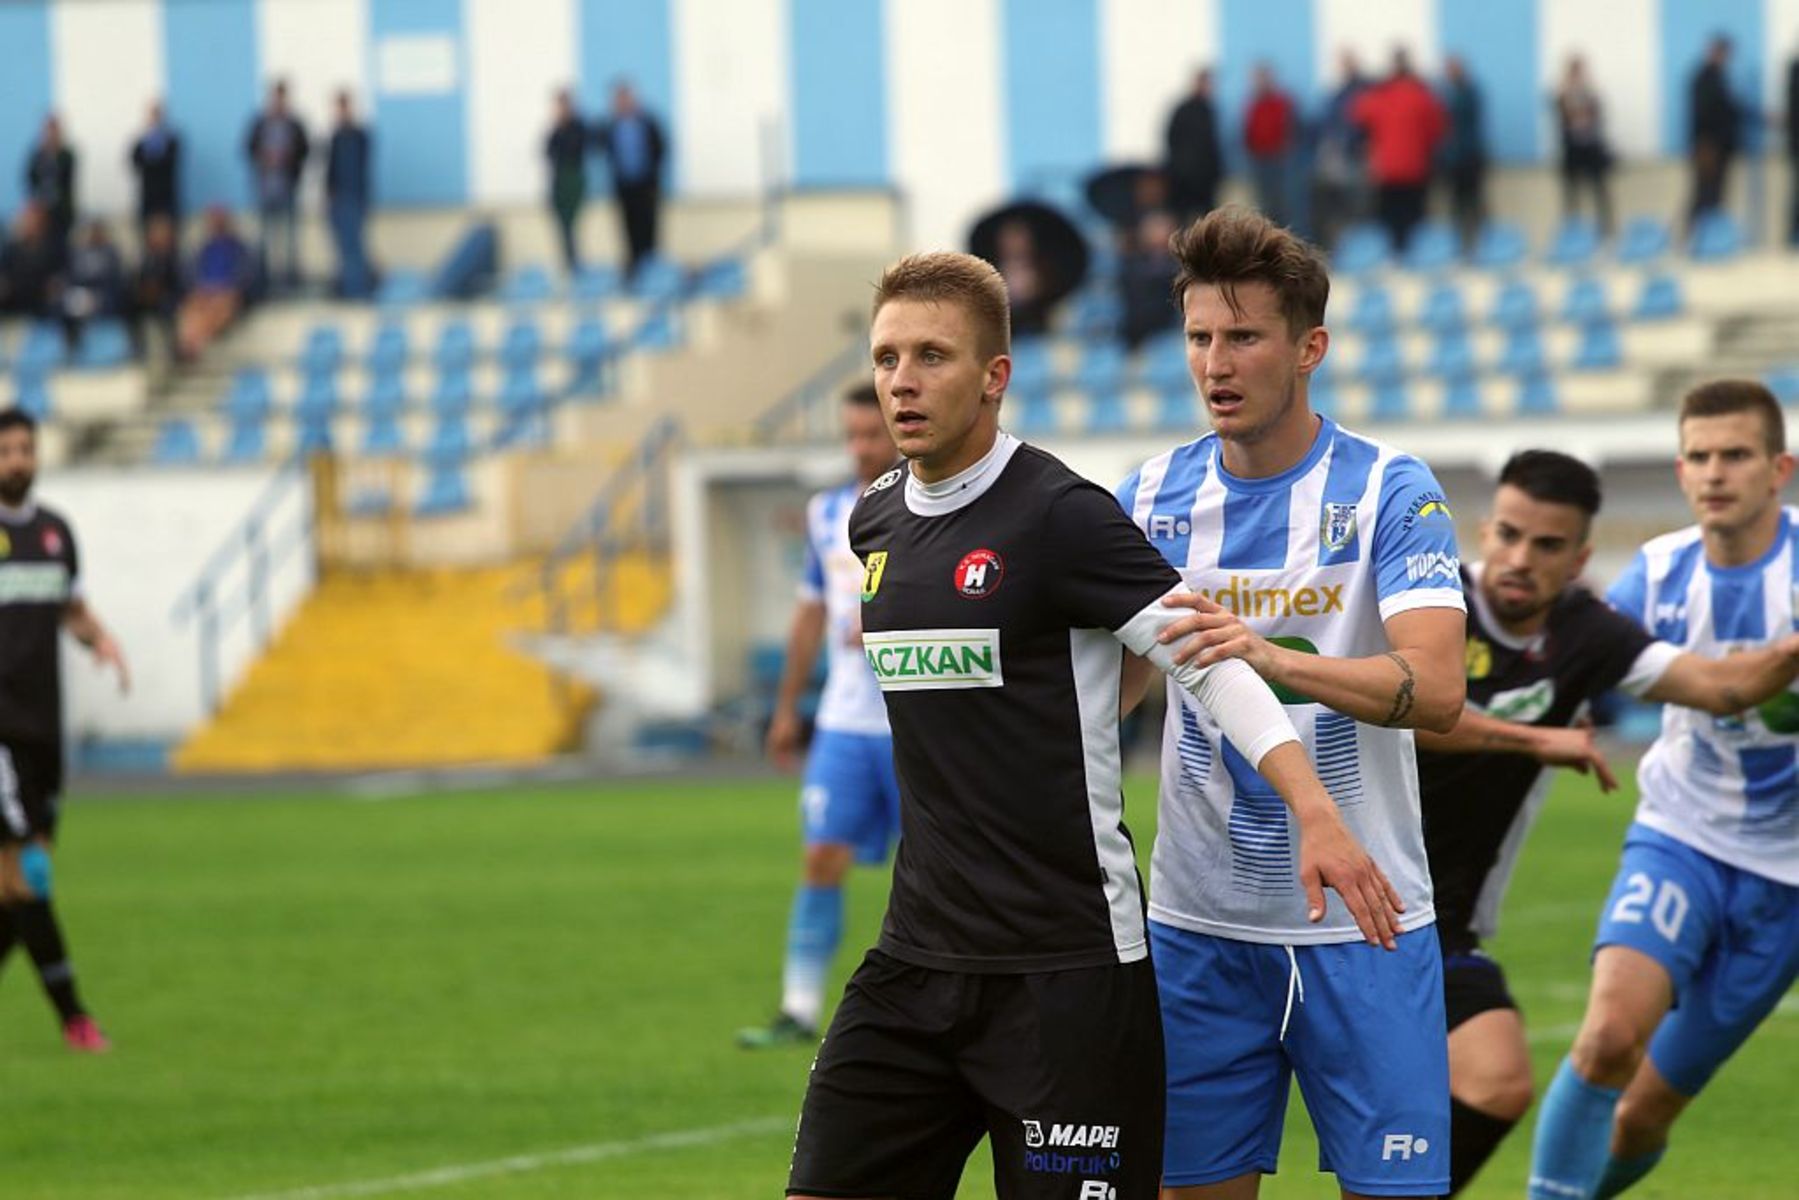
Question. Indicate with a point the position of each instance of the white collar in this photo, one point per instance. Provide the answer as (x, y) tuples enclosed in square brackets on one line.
[(18, 516), (963, 488)]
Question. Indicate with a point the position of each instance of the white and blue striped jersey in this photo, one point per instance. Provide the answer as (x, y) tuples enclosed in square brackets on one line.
[(1316, 558), (851, 702), (1726, 786)]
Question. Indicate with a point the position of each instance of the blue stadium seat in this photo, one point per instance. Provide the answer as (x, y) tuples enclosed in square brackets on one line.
[(1523, 353), (42, 349), (453, 393), (1162, 361), (1515, 307), (1382, 361), (1783, 381), (1584, 301), (597, 282), (527, 285), (104, 343), (1600, 348), (1660, 299), (31, 395), (1500, 245), (659, 330), (659, 279), (1105, 413), (1362, 248), (1096, 312), (318, 399), (249, 397), (1102, 368), (177, 444), (1177, 408), (450, 442), (1462, 398), (1390, 402), (522, 343), (323, 350), (401, 289), (1433, 247), (520, 390), (1445, 308), (1716, 237), (455, 346), (1322, 392), (1575, 243), (1032, 370), (248, 440), (723, 279), (1536, 395), (446, 492), (1372, 312), (1036, 415), (314, 434), (1452, 357), (386, 395), (390, 349), (587, 350), (1644, 240), (382, 434)]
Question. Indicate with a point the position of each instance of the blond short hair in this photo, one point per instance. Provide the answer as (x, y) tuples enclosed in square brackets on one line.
[(963, 279)]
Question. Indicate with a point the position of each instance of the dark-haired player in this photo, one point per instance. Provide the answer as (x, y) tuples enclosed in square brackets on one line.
[(1540, 648), (40, 595), (1699, 939)]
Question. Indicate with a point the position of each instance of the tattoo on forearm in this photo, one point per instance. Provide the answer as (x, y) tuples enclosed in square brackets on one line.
[(1406, 695)]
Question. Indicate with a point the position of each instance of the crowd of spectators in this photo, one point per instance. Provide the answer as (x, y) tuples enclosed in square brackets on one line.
[(631, 141)]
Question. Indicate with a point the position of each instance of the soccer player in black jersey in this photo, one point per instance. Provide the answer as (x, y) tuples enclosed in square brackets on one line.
[(1540, 647), (40, 594), (1011, 994)]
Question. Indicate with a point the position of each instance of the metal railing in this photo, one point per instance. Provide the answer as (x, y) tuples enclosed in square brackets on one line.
[(807, 413), (278, 525)]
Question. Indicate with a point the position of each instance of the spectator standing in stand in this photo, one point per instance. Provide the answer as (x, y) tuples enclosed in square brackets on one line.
[(1195, 163), (1586, 158), (156, 160), (1404, 123), (1270, 133)]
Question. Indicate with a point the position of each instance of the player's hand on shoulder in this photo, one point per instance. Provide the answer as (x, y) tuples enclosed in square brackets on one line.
[(1330, 857), (1213, 633), (783, 742)]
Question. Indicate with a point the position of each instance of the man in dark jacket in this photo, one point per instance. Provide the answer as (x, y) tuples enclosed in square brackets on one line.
[(1464, 152), (30, 265), (277, 149), (1792, 130), (1715, 118), (633, 143), (1195, 164), (50, 180), (566, 150), (156, 160), (347, 196)]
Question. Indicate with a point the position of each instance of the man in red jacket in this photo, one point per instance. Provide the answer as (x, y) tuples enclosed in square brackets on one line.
[(1404, 122), (1269, 133)]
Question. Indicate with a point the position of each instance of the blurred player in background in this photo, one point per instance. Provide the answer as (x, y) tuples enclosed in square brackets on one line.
[(1540, 649), (40, 595), (849, 802), (1699, 938), (1326, 562)]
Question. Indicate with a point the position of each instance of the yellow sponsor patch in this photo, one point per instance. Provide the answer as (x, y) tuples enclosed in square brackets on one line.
[(872, 570)]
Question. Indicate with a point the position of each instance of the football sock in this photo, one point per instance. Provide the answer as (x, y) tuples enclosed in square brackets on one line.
[(36, 927), (1620, 1173), (814, 928), (1473, 1136), (1574, 1130)]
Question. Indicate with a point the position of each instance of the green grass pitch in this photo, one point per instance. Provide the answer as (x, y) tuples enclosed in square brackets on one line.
[(531, 993)]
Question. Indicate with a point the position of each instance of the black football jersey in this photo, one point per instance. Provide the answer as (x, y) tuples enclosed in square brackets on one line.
[(987, 606), (1478, 807), (38, 574)]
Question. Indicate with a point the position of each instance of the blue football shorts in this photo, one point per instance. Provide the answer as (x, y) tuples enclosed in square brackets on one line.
[(850, 795)]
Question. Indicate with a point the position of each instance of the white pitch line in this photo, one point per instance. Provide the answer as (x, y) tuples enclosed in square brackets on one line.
[(1788, 1006), (521, 1163)]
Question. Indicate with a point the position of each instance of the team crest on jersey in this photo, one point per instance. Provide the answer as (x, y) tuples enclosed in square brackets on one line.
[(5, 544), (1337, 527), (872, 570), (52, 542), (886, 481), (1479, 657), (978, 574)]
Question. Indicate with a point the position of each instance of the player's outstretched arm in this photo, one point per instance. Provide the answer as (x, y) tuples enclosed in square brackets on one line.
[(1418, 684), (85, 628), (1478, 733), (1727, 685), (804, 637)]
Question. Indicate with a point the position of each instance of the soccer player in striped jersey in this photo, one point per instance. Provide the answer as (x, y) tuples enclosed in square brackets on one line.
[(1327, 562), (1699, 938), (849, 800)]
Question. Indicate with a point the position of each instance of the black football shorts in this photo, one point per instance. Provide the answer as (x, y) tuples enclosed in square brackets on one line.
[(30, 784)]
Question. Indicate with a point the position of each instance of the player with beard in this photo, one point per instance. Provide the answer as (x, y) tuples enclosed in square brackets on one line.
[(40, 595), (1540, 648)]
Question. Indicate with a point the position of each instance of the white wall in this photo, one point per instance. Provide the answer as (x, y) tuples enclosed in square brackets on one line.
[(519, 54), (1621, 41), (731, 88), (109, 66), (1149, 52), (143, 537)]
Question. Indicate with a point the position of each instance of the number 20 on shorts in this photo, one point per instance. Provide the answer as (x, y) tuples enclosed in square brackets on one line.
[(1665, 904)]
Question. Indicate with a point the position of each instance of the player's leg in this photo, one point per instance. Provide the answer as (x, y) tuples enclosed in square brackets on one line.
[(1489, 1063), (1657, 925), (1069, 1066), (1744, 975), (887, 1113), (1372, 1065), (835, 796), (1224, 1003)]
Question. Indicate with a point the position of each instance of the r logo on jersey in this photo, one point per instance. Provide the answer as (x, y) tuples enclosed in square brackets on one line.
[(978, 574), (872, 570), (1337, 527)]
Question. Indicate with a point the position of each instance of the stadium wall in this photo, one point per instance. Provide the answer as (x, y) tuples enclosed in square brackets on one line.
[(958, 102)]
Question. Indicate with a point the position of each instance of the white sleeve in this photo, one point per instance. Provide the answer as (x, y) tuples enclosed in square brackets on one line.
[(1648, 668), (1246, 710)]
